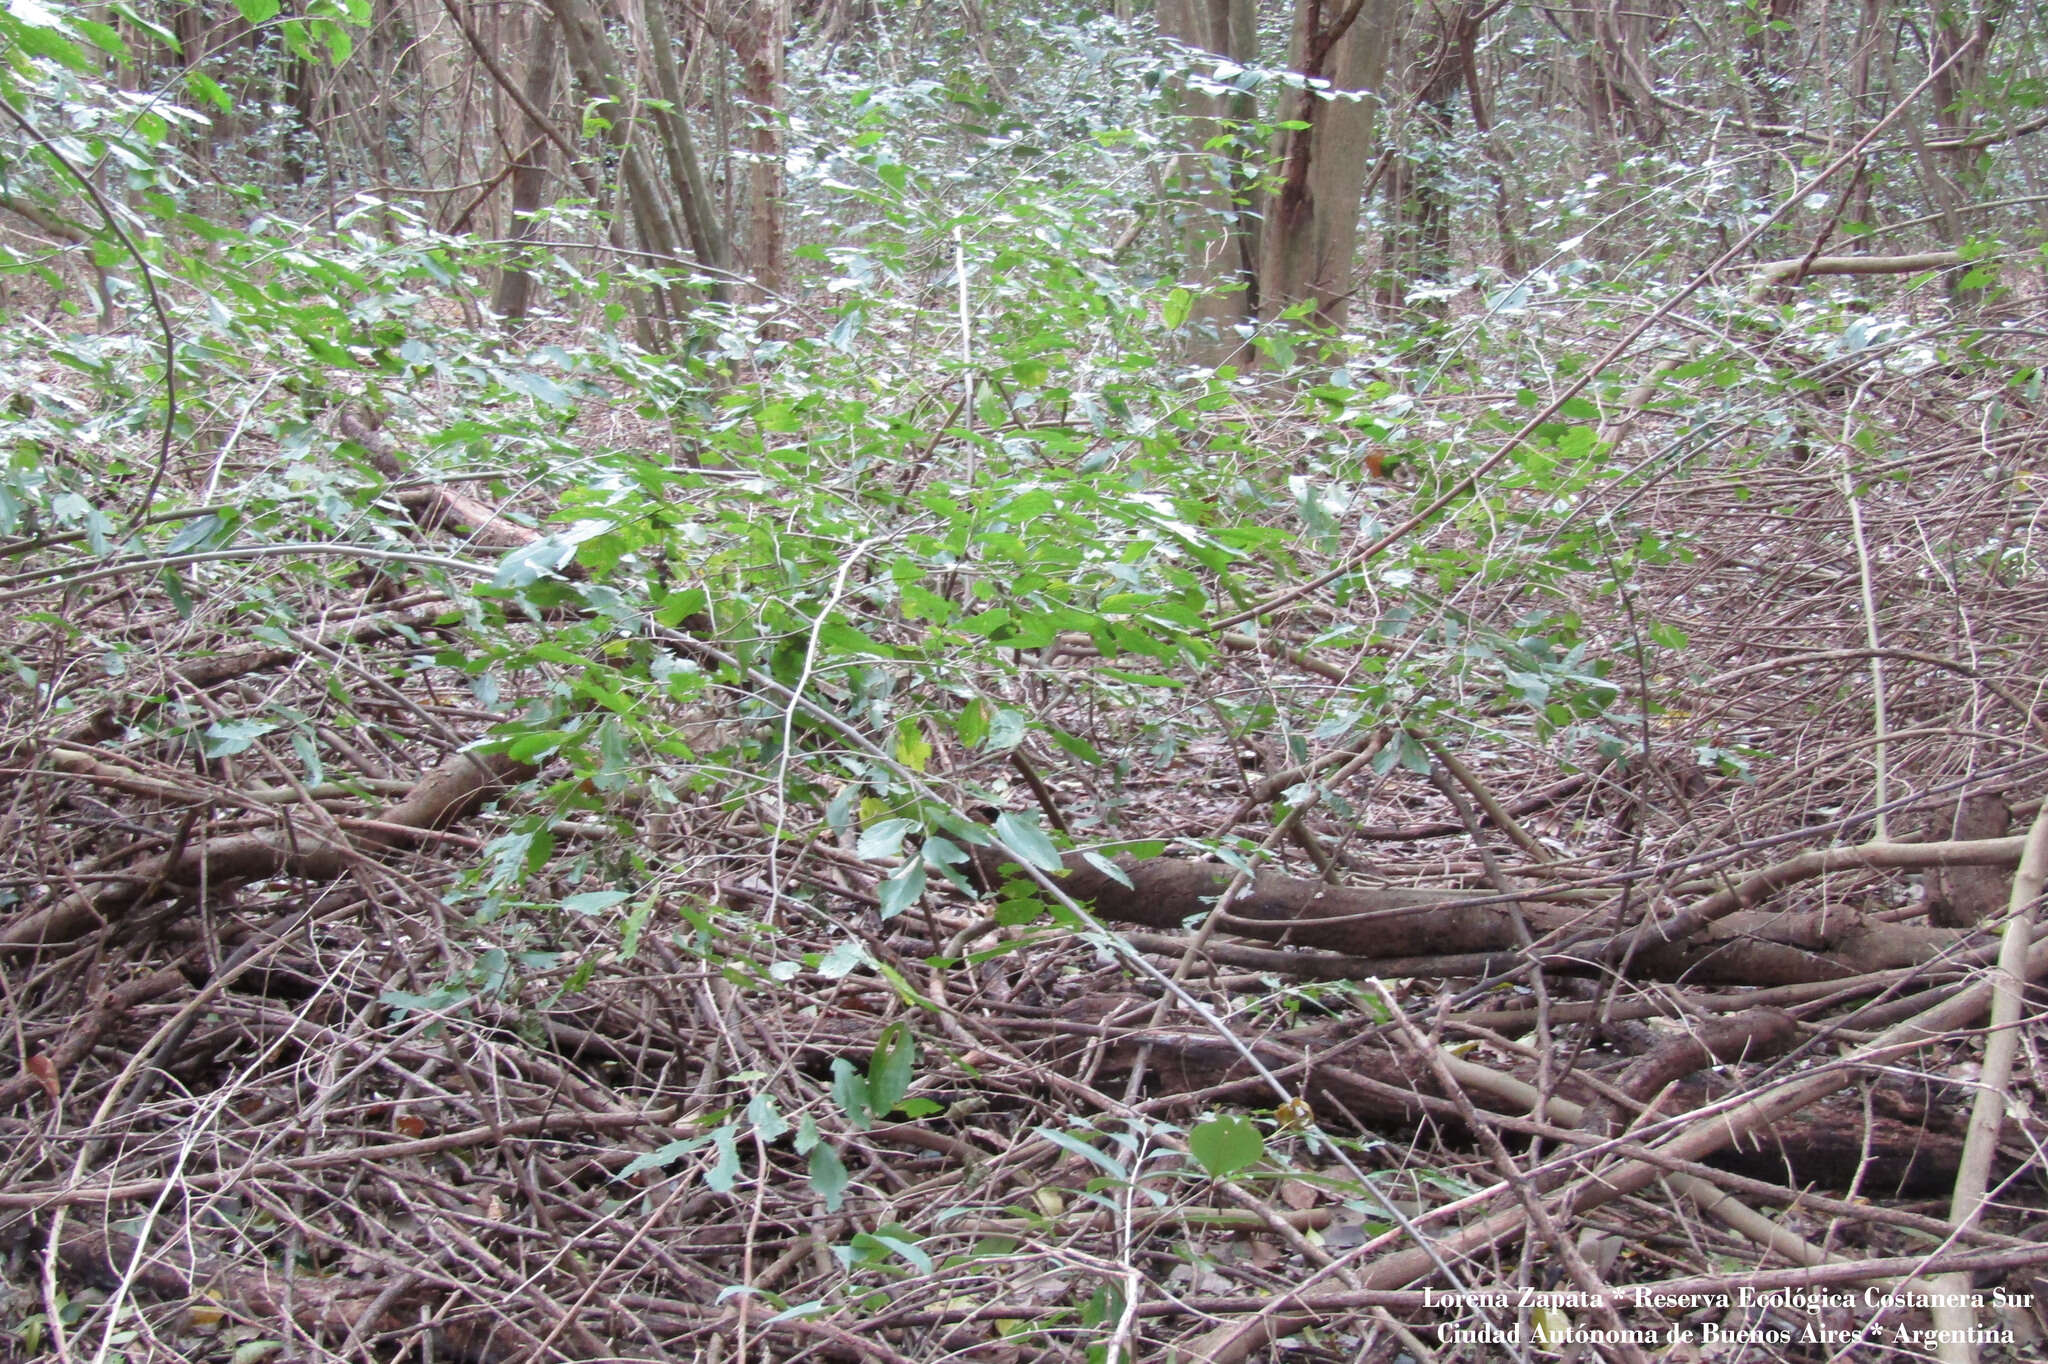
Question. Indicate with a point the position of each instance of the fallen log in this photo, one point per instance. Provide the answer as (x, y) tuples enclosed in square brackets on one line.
[(1722, 939), (1962, 897), (335, 1309), (442, 795), (1904, 1134)]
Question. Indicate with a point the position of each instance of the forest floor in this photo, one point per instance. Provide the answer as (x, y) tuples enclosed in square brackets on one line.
[(1649, 1033)]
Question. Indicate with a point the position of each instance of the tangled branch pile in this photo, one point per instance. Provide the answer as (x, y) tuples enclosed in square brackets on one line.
[(539, 947)]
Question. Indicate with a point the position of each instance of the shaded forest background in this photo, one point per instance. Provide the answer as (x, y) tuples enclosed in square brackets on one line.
[(914, 682)]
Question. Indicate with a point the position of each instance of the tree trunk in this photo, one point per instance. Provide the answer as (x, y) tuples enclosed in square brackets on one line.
[(759, 39), (1311, 220), (686, 174), (1957, 175), (1861, 101), (1418, 188), (1219, 238), (590, 56), (514, 290), (1498, 162)]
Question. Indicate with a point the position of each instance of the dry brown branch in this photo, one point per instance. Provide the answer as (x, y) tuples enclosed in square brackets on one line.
[(442, 795)]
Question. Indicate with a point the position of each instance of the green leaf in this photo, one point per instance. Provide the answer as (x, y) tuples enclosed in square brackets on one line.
[(913, 750), (206, 88), (1066, 1141), (1107, 868), (850, 1091), (50, 45), (1077, 746), (843, 960), (766, 1117), (921, 603), (529, 748), (1226, 1145), (972, 726), (530, 563), (890, 1070), (1023, 837), (1006, 729), (107, 40), (316, 771), (828, 1176), (595, 901), (726, 1168), (258, 11), (661, 1156), (884, 839), (896, 1239), (1104, 1305), (1670, 636), (902, 888), (225, 738), (636, 924), (1179, 303)]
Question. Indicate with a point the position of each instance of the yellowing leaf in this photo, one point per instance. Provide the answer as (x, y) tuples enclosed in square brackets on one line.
[(912, 750)]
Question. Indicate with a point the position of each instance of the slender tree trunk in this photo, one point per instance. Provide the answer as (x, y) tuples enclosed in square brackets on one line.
[(1613, 94), (1497, 164), (1955, 176), (1869, 33), (1766, 51), (1219, 237), (686, 174), (302, 96), (1622, 59), (514, 290), (1418, 189), (590, 56), (437, 50), (760, 38)]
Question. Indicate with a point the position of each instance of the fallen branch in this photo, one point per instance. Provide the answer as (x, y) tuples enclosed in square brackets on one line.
[(442, 795)]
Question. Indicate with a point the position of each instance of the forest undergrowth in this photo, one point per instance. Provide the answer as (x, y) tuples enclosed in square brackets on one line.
[(910, 818)]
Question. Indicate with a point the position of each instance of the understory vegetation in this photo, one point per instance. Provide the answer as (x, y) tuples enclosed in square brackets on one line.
[(885, 683)]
